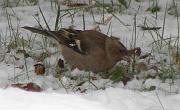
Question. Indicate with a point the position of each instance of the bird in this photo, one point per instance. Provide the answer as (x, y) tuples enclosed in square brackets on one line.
[(87, 50)]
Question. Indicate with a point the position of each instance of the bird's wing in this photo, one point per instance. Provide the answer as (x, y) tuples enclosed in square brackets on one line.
[(80, 41), (90, 39)]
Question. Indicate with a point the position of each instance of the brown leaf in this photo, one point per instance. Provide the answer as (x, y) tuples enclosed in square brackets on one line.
[(28, 87), (39, 69)]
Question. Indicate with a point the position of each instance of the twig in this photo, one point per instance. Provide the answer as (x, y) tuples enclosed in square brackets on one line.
[(160, 101), (44, 18)]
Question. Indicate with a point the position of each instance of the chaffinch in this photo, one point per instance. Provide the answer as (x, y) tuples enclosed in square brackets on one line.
[(87, 50)]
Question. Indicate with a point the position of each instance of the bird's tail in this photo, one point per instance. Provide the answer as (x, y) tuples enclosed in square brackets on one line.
[(63, 36), (43, 32)]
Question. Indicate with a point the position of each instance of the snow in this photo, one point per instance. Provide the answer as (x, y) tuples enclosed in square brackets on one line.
[(109, 99), (109, 96), (15, 99)]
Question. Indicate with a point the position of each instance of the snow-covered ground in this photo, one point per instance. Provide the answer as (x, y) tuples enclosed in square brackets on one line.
[(109, 99), (109, 96)]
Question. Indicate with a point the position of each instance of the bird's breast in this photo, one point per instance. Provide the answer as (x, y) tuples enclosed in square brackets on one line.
[(95, 61)]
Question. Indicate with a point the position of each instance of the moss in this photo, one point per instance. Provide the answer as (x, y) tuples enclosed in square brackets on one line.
[(117, 74), (150, 88)]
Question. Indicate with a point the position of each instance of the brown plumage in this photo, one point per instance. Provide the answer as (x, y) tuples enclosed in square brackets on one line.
[(87, 50)]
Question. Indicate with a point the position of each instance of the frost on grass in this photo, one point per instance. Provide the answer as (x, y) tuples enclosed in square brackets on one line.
[(152, 80)]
